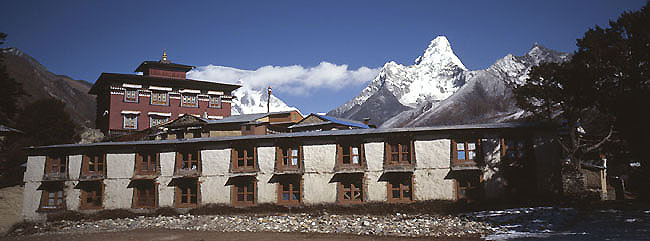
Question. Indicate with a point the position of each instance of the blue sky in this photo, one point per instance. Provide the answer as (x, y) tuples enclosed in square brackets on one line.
[(82, 39)]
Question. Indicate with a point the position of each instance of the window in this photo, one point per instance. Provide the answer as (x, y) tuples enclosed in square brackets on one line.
[(52, 196), (94, 165), (130, 122), (350, 155), (144, 194), (156, 121), (130, 95), (91, 194), (189, 100), (399, 153), (187, 162), (159, 98), (215, 101), (243, 191), (468, 186), (400, 187), (187, 192), (464, 151), (243, 158), (514, 149), (55, 166), (350, 189), (289, 157), (289, 189), (146, 163)]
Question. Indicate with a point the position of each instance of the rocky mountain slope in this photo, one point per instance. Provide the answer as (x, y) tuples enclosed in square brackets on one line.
[(486, 97), (40, 83), (438, 89), (434, 76)]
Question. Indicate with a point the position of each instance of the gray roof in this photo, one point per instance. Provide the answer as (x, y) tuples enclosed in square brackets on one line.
[(332, 133), (244, 118), (330, 119)]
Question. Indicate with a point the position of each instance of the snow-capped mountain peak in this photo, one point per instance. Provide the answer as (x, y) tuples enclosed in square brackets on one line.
[(439, 54)]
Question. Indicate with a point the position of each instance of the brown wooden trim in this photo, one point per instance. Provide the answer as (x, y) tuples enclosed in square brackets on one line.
[(234, 158), (340, 191), (243, 182), (179, 192), (280, 191), (43, 205), (136, 195), (389, 193)]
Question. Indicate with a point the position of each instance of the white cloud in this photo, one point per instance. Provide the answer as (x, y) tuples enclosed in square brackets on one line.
[(294, 79)]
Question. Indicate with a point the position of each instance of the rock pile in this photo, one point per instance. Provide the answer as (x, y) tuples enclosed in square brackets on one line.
[(392, 225)]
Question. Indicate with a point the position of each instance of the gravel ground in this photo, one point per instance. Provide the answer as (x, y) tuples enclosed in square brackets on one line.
[(401, 225)]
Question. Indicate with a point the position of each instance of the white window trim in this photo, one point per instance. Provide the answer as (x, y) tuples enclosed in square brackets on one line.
[(151, 119), (169, 114), (137, 96), (132, 86), (219, 102), (196, 103), (189, 91), (151, 98), (215, 92), (160, 88), (130, 112), (124, 121)]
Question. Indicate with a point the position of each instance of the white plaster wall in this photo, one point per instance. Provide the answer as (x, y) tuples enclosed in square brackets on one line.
[(266, 192), (74, 166), (266, 159), (215, 162), (167, 161), (374, 152), (430, 184), (317, 188), (117, 195), (72, 196), (492, 176), (120, 165), (376, 189), (31, 201), (319, 158), (433, 154), (35, 169), (214, 190), (165, 192)]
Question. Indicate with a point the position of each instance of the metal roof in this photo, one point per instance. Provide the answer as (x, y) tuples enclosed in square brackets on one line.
[(6, 129), (332, 133), (107, 78), (245, 117)]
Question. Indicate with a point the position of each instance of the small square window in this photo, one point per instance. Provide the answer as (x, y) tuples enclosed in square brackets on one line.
[(130, 95), (130, 122)]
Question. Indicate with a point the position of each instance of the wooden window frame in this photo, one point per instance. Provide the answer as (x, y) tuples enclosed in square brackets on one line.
[(212, 99), (341, 154), (454, 151), (280, 157), (56, 166), (126, 98), (290, 181), (234, 157), (180, 162), (183, 200), (59, 195), (400, 153), (457, 188), (124, 117), (151, 122), (526, 148), (241, 185), (193, 104), (140, 162), (95, 195), (93, 170), (137, 189), (402, 188), (354, 185), (155, 101)]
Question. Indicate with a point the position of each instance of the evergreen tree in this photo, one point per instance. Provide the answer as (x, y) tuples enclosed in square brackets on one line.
[(10, 90), (45, 122)]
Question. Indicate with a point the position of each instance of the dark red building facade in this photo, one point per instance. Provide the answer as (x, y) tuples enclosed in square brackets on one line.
[(131, 102)]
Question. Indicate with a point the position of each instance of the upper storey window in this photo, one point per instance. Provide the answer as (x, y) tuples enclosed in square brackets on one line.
[(288, 157), (55, 167), (130, 95), (159, 98), (215, 101), (350, 155), (243, 158), (464, 151), (399, 152), (94, 165), (189, 100), (130, 121)]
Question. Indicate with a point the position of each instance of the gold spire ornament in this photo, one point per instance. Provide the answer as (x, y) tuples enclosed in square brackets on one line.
[(164, 57)]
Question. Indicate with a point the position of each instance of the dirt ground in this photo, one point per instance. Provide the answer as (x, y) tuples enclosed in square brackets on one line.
[(11, 207), (169, 235)]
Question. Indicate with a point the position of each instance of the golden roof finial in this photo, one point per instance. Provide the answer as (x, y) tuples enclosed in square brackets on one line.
[(164, 58)]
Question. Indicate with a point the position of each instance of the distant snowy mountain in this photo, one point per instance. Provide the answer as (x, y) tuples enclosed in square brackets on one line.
[(435, 76), (486, 97), (249, 100)]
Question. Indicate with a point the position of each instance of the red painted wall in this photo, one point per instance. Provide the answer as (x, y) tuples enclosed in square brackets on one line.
[(143, 105), (166, 73)]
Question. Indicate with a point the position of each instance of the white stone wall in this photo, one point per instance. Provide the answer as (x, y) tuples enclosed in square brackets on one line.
[(214, 190), (376, 189), (266, 192), (35, 169), (117, 194), (31, 200), (167, 162), (215, 162), (165, 192), (74, 166), (317, 189)]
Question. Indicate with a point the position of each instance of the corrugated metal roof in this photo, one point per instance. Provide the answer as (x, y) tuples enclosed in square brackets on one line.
[(332, 133), (329, 120), (245, 117), (4, 128)]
